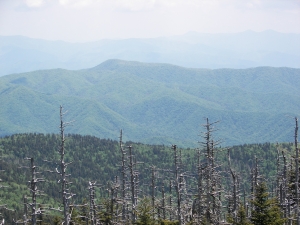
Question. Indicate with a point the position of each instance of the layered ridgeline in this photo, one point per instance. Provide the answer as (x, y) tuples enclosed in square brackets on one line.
[(198, 50), (154, 103)]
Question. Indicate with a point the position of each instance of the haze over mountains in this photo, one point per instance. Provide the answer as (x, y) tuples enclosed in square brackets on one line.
[(155, 103), (238, 50)]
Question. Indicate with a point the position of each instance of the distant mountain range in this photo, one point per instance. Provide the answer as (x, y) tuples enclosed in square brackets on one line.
[(238, 50), (155, 103)]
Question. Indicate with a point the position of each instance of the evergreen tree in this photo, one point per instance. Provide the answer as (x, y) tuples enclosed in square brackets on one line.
[(144, 212), (241, 217), (266, 211)]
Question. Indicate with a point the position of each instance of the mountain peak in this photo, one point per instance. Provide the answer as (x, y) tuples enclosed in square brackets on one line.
[(112, 64)]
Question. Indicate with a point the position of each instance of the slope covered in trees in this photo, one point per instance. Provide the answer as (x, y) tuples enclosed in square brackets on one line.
[(99, 160), (154, 103)]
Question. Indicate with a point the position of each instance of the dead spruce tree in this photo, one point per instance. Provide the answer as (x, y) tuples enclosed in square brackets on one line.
[(153, 189), (4, 206), (66, 194), (297, 197), (184, 202), (208, 205), (234, 196), (178, 184), (134, 175), (123, 178), (113, 189), (34, 192), (282, 187), (288, 193), (61, 170), (255, 180), (93, 207)]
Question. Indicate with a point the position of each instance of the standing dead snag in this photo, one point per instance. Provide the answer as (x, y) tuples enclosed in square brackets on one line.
[(153, 188), (34, 192), (112, 208), (183, 206), (255, 177), (123, 179), (66, 195), (3, 206), (133, 184), (297, 212), (92, 213), (234, 198), (209, 203), (178, 184)]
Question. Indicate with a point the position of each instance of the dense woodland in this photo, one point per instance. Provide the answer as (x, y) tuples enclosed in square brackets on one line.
[(116, 182), (154, 103)]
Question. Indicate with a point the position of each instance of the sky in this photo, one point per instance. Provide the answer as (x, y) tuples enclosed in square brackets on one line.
[(91, 20)]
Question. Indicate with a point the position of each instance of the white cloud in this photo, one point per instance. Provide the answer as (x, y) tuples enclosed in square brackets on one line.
[(134, 5), (34, 3), (76, 3)]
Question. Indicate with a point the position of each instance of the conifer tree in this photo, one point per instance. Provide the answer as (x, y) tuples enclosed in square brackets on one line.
[(265, 211), (242, 217), (144, 212)]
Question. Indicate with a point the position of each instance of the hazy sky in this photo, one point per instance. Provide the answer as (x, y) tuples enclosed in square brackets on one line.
[(86, 20)]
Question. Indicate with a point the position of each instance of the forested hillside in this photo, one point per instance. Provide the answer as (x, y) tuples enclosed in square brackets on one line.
[(154, 103), (100, 160)]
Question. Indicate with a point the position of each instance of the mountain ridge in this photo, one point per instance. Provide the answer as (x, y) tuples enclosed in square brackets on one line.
[(151, 101), (236, 50)]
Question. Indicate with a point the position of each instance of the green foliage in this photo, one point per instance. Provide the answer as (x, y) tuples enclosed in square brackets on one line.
[(266, 211), (154, 103), (167, 222), (105, 218), (57, 220), (75, 217), (96, 159), (229, 218), (241, 217), (145, 212)]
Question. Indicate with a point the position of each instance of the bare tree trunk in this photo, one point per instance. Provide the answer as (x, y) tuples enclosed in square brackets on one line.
[(92, 203), (235, 194), (177, 184), (33, 189), (297, 174), (34, 192), (133, 185), (123, 178), (153, 187), (163, 202), (63, 176)]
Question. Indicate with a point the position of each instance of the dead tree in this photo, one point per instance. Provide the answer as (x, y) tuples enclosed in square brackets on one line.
[(178, 183), (198, 204), (34, 192), (297, 196), (183, 197), (163, 203), (113, 192), (93, 211), (123, 178), (234, 197), (153, 188), (133, 184), (170, 207), (209, 205), (61, 171), (3, 206)]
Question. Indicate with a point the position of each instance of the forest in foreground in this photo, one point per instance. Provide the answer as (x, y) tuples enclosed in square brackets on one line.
[(111, 182)]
